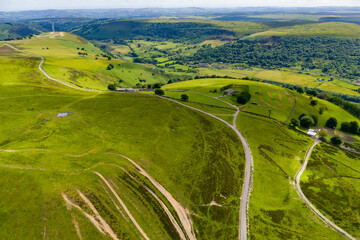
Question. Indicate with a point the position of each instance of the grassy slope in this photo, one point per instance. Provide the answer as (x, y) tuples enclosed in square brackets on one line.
[(331, 182), (332, 29), (240, 28), (62, 62), (201, 166), (287, 76), (276, 212), (269, 97)]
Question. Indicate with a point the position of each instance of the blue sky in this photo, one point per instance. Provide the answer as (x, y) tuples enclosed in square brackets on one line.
[(14, 5)]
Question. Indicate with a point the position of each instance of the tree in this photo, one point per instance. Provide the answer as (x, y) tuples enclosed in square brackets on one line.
[(243, 97), (157, 85), (111, 87), (345, 126), (109, 58), (295, 122), (323, 135), (184, 97), (159, 92), (354, 127), (313, 102), (331, 122), (291, 88), (311, 92), (307, 121), (336, 140), (110, 66), (300, 90)]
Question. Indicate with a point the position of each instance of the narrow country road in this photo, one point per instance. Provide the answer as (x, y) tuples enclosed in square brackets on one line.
[(47, 75), (308, 203), (247, 185)]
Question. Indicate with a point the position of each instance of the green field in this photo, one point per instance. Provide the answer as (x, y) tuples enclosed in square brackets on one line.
[(43, 156), (339, 30), (276, 211), (279, 101), (63, 62), (293, 77), (138, 166), (331, 183)]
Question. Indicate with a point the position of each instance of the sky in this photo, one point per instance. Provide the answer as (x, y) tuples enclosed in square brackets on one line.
[(17, 5)]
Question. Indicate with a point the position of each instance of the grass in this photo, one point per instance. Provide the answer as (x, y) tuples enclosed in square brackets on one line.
[(63, 63), (204, 164), (331, 183), (332, 29), (289, 76), (267, 97), (331, 110), (276, 211)]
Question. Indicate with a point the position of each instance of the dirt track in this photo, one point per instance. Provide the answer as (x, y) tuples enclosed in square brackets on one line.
[(180, 210), (327, 221), (123, 206)]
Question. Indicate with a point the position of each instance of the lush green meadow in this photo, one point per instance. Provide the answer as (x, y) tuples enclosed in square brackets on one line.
[(333, 29), (306, 79), (63, 62), (43, 156), (276, 211), (331, 182)]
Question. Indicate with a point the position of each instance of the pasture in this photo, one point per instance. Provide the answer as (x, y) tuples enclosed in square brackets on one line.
[(331, 183), (52, 161), (276, 211), (63, 62)]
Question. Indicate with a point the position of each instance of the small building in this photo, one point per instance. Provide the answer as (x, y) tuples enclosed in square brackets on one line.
[(127, 90), (63, 114), (229, 92), (312, 133)]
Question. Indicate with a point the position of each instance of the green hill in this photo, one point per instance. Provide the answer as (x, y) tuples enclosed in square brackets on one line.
[(70, 173), (74, 60), (329, 29), (16, 30)]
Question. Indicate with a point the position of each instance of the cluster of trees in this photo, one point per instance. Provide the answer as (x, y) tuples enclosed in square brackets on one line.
[(305, 120), (112, 87), (159, 92), (352, 127), (330, 55), (110, 66), (182, 31), (243, 97), (348, 106)]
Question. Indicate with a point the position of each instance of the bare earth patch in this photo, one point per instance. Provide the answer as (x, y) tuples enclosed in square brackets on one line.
[(5, 49)]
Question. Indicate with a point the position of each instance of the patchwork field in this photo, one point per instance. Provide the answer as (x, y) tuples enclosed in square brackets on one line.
[(74, 175)]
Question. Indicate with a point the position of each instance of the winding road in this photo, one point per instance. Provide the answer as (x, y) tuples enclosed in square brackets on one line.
[(248, 178), (308, 203)]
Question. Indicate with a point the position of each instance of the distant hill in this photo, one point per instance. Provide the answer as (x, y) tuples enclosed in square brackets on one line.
[(16, 30), (194, 31)]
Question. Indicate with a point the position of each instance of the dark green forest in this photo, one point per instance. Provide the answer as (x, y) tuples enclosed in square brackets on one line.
[(175, 31), (330, 55)]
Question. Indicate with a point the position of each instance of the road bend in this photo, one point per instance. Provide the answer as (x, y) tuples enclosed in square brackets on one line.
[(309, 204)]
